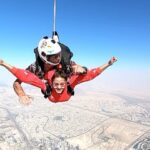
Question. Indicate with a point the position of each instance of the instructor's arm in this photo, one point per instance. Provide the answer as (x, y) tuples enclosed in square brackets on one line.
[(23, 97)]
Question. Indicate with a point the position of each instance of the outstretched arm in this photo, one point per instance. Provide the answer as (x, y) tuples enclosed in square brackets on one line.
[(23, 76), (23, 97), (110, 62), (91, 74)]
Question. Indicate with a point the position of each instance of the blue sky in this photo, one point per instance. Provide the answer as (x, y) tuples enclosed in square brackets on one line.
[(94, 30)]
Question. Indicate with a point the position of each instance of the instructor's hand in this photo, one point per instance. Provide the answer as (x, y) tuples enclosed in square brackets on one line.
[(26, 99), (77, 69)]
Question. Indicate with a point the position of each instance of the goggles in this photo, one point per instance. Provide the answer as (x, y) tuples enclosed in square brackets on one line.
[(55, 85), (52, 59)]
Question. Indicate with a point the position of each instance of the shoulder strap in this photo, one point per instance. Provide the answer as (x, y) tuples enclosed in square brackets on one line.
[(70, 90), (39, 64), (66, 58), (48, 91)]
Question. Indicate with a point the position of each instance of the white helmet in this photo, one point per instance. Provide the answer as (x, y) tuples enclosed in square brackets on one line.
[(48, 47)]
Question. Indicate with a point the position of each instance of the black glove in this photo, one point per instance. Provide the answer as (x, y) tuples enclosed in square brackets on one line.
[(48, 90)]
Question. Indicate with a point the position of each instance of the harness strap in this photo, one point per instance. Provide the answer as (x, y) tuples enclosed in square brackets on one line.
[(48, 90), (70, 89)]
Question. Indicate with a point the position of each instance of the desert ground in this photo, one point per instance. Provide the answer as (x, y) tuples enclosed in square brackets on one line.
[(93, 119)]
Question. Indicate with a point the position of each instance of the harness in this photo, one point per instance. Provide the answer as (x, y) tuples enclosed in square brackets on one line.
[(65, 60), (40, 72)]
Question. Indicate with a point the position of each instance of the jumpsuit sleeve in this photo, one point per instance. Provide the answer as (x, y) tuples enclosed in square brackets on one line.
[(28, 77), (91, 74)]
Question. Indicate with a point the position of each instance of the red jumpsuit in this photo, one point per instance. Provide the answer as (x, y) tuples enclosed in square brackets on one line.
[(29, 78)]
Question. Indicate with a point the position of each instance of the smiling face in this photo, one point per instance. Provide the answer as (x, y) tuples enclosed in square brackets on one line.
[(59, 84)]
